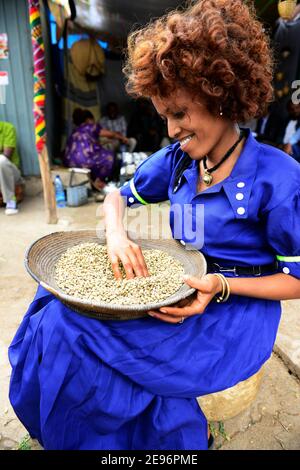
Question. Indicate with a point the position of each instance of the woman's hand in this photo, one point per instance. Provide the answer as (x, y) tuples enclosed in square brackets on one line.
[(288, 149), (114, 135), (207, 287), (122, 138), (120, 248)]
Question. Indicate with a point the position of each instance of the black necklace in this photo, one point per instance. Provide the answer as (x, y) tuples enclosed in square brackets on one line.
[(207, 177)]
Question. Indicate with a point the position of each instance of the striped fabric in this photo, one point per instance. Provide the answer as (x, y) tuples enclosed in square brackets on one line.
[(39, 74)]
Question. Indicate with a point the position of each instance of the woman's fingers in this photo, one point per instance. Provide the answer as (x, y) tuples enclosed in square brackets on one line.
[(141, 260), (182, 303), (121, 249), (195, 307), (137, 260), (127, 264), (132, 261), (115, 264), (135, 263), (207, 285), (115, 267), (170, 318), (166, 318), (195, 282), (176, 314)]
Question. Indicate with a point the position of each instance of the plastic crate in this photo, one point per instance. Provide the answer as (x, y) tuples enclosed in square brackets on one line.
[(77, 195)]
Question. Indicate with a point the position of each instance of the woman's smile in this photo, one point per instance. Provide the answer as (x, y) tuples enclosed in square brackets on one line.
[(185, 141)]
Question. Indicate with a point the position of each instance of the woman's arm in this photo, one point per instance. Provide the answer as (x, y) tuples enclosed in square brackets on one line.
[(276, 287), (114, 209), (119, 247), (113, 135)]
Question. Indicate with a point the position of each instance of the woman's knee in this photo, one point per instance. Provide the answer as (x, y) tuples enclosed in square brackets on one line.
[(4, 161)]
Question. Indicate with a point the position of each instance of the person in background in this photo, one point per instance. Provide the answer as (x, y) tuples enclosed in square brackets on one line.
[(84, 150), (146, 127), (113, 120), (287, 68), (292, 132), (10, 174)]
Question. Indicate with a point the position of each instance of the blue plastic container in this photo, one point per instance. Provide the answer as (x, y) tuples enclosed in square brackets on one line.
[(59, 192)]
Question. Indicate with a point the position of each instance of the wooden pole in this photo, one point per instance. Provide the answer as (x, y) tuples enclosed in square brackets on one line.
[(39, 99), (48, 187)]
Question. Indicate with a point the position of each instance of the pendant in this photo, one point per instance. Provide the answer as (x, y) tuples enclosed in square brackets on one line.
[(207, 178)]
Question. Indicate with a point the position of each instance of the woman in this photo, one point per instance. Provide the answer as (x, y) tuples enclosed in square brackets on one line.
[(84, 150), (133, 385)]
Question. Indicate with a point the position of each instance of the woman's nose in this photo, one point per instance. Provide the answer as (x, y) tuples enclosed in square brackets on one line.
[(173, 129)]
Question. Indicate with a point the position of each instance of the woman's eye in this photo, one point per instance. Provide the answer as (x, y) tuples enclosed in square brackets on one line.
[(179, 115)]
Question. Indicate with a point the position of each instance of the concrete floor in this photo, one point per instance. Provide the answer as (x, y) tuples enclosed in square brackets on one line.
[(271, 422)]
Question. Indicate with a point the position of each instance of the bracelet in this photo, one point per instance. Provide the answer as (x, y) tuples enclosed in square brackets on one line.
[(221, 277), (228, 290), (225, 289)]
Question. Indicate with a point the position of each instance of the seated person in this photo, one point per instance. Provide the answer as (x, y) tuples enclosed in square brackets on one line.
[(114, 121), (10, 174), (146, 126), (84, 150), (292, 133)]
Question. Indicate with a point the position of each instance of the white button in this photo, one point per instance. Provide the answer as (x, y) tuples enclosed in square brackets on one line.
[(239, 196), (131, 199), (286, 270), (182, 242), (241, 184), (241, 210)]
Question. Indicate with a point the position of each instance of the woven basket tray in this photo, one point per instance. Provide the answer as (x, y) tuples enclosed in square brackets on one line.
[(42, 256)]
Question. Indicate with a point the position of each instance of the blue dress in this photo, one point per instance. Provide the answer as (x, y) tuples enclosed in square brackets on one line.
[(80, 383)]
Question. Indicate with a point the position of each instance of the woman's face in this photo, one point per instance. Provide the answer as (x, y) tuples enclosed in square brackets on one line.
[(90, 121), (198, 131)]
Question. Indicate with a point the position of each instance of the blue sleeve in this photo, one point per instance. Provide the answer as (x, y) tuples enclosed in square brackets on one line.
[(283, 232), (150, 183)]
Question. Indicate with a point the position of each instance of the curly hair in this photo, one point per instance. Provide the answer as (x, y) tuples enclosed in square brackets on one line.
[(214, 49)]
